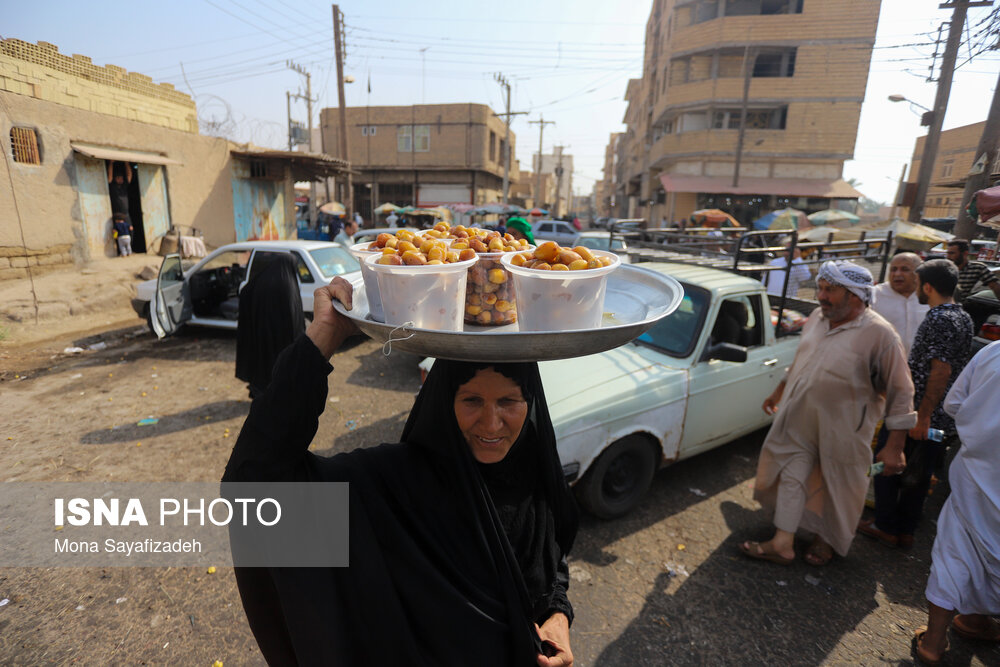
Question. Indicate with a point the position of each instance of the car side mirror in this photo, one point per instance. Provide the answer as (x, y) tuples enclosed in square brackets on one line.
[(726, 352)]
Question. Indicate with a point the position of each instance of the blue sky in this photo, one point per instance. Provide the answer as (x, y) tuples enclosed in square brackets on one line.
[(568, 61)]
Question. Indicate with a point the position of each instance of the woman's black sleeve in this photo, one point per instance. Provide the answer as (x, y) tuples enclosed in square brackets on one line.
[(274, 442), (560, 601)]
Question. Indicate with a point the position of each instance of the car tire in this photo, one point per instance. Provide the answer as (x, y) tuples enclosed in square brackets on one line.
[(149, 319), (618, 479)]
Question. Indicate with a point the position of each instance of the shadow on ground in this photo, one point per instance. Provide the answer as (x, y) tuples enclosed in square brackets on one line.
[(182, 421)]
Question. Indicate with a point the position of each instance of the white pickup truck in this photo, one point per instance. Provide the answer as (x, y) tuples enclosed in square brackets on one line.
[(693, 382)]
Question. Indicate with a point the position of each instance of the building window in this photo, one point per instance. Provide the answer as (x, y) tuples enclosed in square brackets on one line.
[(946, 168), (422, 138), (367, 130), (258, 169), (24, 145), (757, 119), (404, 139), (776, 63)]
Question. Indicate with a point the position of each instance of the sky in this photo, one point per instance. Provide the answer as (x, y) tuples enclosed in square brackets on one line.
[(566, 61)]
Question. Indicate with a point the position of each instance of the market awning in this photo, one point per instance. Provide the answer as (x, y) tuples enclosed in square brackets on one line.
[(790, 187), (108, 153), (305, 166)]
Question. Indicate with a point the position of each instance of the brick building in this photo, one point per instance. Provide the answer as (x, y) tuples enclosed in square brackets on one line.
[(422, 155), (955, 155), (802, 68), (65, 121)]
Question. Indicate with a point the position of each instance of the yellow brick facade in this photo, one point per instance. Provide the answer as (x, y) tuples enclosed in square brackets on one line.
[(955, 156), (810, 63), (407, 154), (41, 72)]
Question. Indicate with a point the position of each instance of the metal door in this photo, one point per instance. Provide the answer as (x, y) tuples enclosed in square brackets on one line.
[(259, 210), (95, 205), (153, 195), (172, 305)]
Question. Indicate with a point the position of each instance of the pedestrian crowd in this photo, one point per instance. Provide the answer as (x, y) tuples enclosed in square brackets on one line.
[(892, 360)]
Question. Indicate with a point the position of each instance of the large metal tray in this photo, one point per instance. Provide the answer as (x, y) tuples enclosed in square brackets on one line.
[(636, 299)]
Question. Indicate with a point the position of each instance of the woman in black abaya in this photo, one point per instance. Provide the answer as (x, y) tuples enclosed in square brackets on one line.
[(458, 533), (270, 317)]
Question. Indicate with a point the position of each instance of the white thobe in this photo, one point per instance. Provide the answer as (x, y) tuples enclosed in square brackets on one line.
[(775, 280), (905, 313), (965, 568)]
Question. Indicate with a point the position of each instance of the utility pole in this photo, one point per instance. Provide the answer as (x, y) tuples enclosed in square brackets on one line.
[(749, 60), (348, 196), (288, 104), (959, 10), (899, 193), (978, 177), (559, 174), (309, 110), (506, 158), (541, 123)]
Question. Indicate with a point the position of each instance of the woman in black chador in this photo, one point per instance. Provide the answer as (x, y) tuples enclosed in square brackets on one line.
[(458, 533), (270, 317)]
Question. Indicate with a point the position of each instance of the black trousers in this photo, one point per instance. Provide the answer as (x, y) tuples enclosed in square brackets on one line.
[(899, 499)]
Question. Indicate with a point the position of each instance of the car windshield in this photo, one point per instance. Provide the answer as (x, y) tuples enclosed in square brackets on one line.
[(334, 261), (677, 333), (601, 243)]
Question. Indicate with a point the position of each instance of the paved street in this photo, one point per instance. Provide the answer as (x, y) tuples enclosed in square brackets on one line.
[(664, 585)]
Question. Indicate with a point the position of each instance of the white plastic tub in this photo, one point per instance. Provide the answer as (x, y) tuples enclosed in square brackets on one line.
[(361, 253), (560, 300), (429, 297)]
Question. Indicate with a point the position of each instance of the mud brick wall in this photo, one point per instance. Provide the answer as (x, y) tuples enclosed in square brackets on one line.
[(41, 72)]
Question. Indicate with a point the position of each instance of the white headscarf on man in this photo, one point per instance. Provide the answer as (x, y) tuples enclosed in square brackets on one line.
[(855, 279)]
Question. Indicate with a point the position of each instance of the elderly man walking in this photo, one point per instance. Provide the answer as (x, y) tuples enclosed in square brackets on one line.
[(965, 560), (849, 371), (896, 300)]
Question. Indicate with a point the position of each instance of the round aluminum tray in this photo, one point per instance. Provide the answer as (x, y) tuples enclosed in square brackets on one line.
[(636, 299)]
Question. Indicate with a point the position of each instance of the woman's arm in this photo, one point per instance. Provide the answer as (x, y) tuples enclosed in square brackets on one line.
[(555, 628), (275, 437)]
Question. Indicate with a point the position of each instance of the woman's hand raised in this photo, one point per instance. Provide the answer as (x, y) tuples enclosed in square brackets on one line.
[(329, 328)]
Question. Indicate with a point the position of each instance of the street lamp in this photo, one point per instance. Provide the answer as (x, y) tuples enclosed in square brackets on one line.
[(926, 118)]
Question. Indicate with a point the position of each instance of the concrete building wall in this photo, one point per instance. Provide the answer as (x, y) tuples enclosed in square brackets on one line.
[(199, 190), (39, 71)]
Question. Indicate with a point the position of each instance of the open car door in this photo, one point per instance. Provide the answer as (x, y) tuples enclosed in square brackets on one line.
[(172, 302)]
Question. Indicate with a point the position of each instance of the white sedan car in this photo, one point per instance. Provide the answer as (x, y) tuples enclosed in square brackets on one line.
[(207, 294)]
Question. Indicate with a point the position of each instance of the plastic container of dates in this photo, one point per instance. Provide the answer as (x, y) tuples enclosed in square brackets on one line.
[(560, 300), (361, 253), (425, 296), (490, 295)]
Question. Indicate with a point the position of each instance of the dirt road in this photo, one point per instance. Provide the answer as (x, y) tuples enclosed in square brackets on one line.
[(664, 585)]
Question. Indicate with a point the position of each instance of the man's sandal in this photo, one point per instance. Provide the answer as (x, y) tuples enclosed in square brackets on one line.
[(991, 634), (754, 550), (819, 555), (921, 653)]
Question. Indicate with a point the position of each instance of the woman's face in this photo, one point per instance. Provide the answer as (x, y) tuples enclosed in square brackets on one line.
[(490, 410), (516, 233)]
